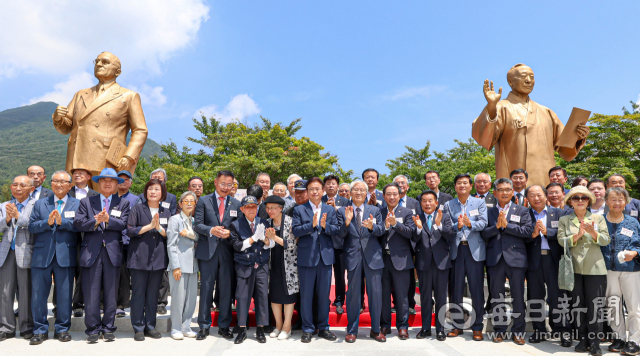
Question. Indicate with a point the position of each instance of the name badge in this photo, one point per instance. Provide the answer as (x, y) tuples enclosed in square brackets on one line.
[(626, 232), (69, 214), (374, 220), (489, 205), (474, 213), (441, 207), (413, 211), (554, 224), (634, 213), (515, 218), (163, 221), (233, 213), (116, 213), (400, 220), (166, 205)]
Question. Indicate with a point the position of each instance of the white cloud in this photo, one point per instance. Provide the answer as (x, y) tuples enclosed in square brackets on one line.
[(63, 92), (240, 107), (150, 95), (63, 37), (424, 92)]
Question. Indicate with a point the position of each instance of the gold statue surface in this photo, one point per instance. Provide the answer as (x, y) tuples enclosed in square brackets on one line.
[(523, 132), (99, 116)]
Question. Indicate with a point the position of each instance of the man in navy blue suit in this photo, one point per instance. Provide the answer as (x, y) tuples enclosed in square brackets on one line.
[(543, 258), (213, 216), (398, 261), (55, 252), (509, 229), (314, 224), (360, 225), (432, 235), (102, 218), (251, 257), (374, 197)]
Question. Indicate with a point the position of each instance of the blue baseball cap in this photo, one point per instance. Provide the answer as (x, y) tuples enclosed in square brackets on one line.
[(126, 173), (300, 184), (249, 199)]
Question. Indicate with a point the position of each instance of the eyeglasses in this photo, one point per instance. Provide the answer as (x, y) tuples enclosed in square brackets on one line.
[(577, 198), (315, 190), (222, 185), (59, 182), (21, 185), (104, 61)]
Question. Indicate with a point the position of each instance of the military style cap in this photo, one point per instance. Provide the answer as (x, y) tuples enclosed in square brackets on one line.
[(249, 199), (300, 184)]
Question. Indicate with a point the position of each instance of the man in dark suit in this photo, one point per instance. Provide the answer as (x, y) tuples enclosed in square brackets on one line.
[(55, 252), (360, 226), (398, 261), (38, 175), (432, 235), (519, 178), (331, 184), (314, 224), (432, 179), (543, 257), (102, 218), (214, 214), (374, 197), (251, 255), (79, 191), (507, 232)]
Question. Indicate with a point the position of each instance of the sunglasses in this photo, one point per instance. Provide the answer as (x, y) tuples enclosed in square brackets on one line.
[(577, 198)]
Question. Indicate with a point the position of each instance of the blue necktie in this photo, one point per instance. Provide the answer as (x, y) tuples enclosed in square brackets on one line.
[(59, 208), (401, 202), (429, 222), (15, 231)]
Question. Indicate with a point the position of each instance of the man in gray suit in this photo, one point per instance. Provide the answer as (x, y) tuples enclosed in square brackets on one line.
[(38, 175), (16, 248)]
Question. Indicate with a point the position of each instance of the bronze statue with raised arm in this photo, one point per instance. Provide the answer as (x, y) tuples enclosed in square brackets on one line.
[(99, 116), (524, 132)]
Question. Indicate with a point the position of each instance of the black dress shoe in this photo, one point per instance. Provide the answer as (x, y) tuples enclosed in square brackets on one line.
[(78, 313), (225, 333), (202, 334), (565, 341), (441, 336), (162, 310), (339, 310), (260, 335), (616, 346), (4, 336), (315, 332), (153, 334), (139, 336), (93, 338), (582, 346), (306, 338), (423, 334), (63, 336), (631, 348), (27, 335), (240, 338), (535, 338), (108, 337), (38, 339), (327, 335), (595, 350)]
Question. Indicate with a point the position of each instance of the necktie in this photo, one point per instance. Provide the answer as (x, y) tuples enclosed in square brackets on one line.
[(402, 202), (481, 197), (429, 222), (519, 198), (33, 195), (59, 208), (358, 219), (221, 208), (106, 206), (252, 229), (15, 231)]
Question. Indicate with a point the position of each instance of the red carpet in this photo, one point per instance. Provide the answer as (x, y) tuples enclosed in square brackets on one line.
[(336, 320)]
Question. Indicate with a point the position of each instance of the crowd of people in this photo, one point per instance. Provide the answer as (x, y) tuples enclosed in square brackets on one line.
[(573, 251)]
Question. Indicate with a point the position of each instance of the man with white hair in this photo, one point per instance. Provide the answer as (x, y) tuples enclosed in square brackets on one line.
[(291, 182), (482, 183)]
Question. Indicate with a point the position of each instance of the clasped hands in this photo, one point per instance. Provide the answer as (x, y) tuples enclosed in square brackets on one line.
[(220, 232), (155, 223), (502, 220), (103, 217), (390, 220), (539, 228), (323, 220), (54, 218), (463, 220), (436, 222), (12, 212), (348, 216), (585, 227)]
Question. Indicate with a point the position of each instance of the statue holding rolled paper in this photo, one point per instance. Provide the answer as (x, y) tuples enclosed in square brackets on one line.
[(525, 133)]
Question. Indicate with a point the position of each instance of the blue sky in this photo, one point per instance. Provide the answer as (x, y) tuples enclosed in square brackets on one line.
[(366, 77)]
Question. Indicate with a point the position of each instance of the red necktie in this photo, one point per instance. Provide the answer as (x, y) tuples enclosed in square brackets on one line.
[(252, 230), (221, 208)]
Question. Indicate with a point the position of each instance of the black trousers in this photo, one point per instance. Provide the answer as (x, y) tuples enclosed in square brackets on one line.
[(255, 286), (587, 292), (144, 299), (209, 271), (163, 291), (124, 290), (412, 289), (339, 272), (546, 275), (397, 283), (433, 281), (499, 274), (216, 295)]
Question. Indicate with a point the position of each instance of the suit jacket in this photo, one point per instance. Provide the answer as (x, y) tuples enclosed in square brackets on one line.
[(433, 244), (95, 237), (95, 123), (632, 209), (24, 238), (478, 209), (534, 246), (489, 199), (443, 198), (398, 237), (181, 249), (340, 201), (171, 200), (256, 253), (90, 192), (509, 242), (516, 200), (314, 242), (45, 193), (380, 202), (148, 251), (207, 216), (362, 242), (262, 211), (586, 253), (60, 240)]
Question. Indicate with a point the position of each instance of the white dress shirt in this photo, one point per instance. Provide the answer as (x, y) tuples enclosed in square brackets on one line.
[(433, 221), (361, 212), (542, 216), (81, 193)]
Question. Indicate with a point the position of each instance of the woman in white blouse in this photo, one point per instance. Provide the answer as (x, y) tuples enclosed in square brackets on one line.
[(181, 241)]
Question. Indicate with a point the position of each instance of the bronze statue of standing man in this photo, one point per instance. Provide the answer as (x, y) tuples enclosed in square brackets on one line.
[(524, 132), (98, 116)]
